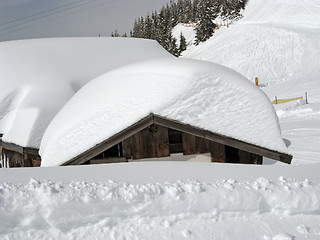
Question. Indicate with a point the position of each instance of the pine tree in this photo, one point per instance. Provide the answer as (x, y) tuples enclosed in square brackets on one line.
[(183, 44), (208, 12), (172, 45), (148, 27), (115, 33), (155, 26)]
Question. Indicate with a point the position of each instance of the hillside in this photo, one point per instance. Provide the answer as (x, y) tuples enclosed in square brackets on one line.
[(278, 42)]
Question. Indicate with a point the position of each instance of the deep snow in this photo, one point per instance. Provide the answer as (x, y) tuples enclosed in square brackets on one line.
[(176, 210), (38, 76), (277, 41), (160, 200), (166, 200), (201, 94)]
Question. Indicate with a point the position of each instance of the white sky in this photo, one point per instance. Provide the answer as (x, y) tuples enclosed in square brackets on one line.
[(21, 19)]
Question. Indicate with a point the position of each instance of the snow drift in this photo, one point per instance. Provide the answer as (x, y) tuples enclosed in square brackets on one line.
[(170, 210), (202, 94), (37, 77)]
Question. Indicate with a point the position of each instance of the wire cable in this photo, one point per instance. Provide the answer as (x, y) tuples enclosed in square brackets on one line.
[(39, 13), (44, 16)]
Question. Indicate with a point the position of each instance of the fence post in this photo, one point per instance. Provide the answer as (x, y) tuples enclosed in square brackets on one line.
[(306, 97)]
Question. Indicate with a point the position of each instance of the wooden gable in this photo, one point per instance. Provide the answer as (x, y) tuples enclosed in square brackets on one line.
[(156, 137)]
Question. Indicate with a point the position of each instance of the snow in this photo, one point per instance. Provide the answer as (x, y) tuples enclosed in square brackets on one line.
[(141, 202), (198, 93), (187, 31), (188, 200), (277, 41), (39, 76)]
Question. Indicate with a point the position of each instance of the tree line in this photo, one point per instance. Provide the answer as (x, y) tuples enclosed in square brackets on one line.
[(158, 25)]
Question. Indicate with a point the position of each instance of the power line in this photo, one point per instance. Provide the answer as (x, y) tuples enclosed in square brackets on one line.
[(39, 13), (43, 16)]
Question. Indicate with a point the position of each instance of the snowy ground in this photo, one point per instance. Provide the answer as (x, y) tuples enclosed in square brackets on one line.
[(161, 200)]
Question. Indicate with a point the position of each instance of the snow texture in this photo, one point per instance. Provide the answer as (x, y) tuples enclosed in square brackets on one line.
[(276, 41), (279, 42), (198, 93), (37, 77), (170, 210)]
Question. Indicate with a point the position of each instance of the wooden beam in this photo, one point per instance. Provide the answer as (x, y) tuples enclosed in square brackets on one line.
[(115, 139), (12, 147), (108, 160), (222, 139)]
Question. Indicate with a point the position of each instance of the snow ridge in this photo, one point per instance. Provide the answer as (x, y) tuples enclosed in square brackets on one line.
[(74, 209)]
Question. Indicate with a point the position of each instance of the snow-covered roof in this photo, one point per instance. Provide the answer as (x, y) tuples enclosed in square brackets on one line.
[(202, 94), (37, 77)]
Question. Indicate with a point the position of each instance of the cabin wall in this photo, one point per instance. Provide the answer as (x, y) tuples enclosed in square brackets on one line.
[(157, 141), (13, 159)]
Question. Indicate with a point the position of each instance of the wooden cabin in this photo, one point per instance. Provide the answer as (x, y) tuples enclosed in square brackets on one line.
[(12, 155), (157, 137), (152, 137)]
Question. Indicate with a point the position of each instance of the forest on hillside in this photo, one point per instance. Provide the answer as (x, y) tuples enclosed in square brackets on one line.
[(204, 14)]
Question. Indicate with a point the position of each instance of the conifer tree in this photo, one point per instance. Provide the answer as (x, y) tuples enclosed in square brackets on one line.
[(172, 45), (148, 27), (115, 33), (207, 13), (183, 44)]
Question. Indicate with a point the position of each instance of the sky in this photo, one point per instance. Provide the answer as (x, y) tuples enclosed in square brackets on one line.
[(24, 19)]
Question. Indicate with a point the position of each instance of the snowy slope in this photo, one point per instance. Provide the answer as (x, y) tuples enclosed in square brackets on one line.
[(202, 94), (37, 77), (275, 41), (279, 42)]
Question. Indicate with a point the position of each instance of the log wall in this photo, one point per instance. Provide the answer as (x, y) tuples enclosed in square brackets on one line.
[(154, 142), (13, 159)]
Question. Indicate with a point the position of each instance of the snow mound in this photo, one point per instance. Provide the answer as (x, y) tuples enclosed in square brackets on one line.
[(202, 94), (172, 210), (276, 41), (37, 77)]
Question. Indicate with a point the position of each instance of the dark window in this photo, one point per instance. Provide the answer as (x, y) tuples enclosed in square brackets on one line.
[(115, 151), (175, 141), (232, 155), (174, 136)]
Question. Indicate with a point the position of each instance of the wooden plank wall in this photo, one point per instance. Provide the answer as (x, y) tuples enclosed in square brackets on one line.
[(195, 145), (14, 159), (151, 142)]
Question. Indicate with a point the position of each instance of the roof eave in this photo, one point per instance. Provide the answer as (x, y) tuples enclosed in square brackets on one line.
[(162, 121)]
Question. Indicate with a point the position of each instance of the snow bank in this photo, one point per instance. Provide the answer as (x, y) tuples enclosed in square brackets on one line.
[(201, 94), (280, 209), (37, 77)]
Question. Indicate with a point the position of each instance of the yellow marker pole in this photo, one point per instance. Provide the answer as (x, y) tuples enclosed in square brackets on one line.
[(256, 81)]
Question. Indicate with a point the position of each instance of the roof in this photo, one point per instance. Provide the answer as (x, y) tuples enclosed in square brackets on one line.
[(201, 94), (38, 76)]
